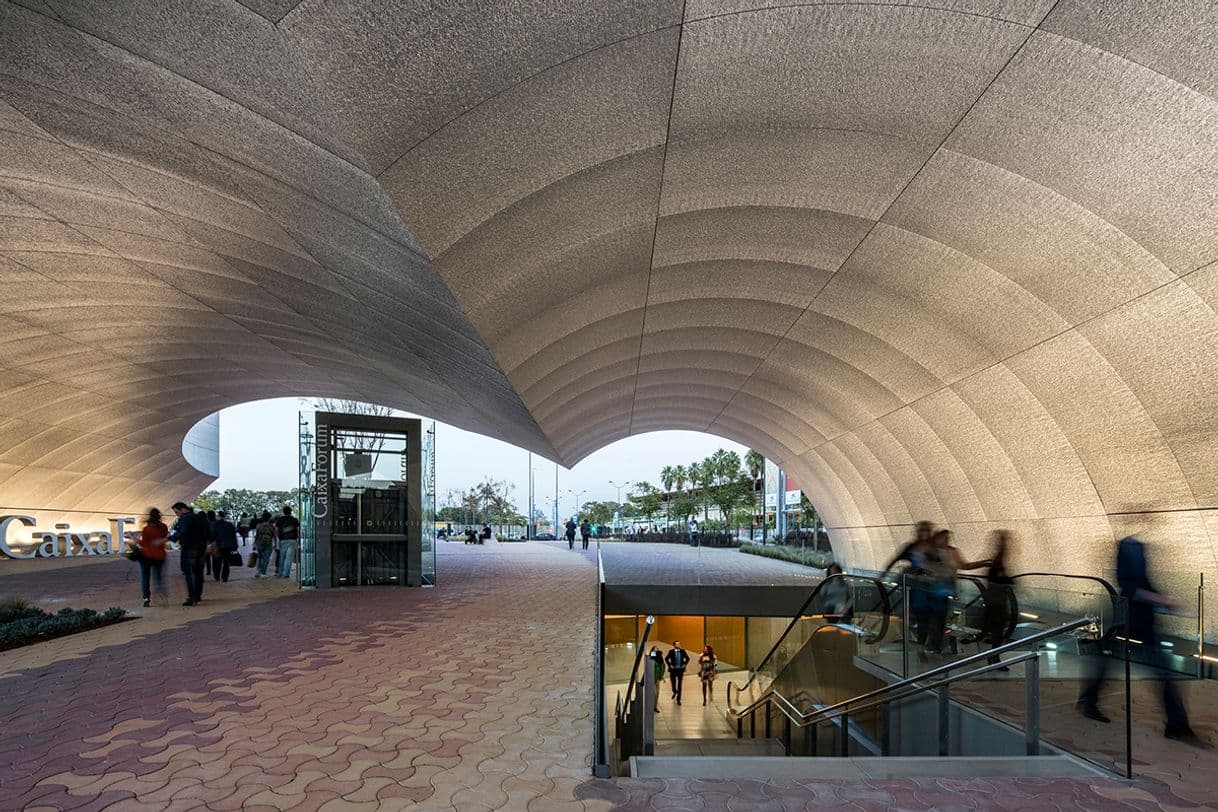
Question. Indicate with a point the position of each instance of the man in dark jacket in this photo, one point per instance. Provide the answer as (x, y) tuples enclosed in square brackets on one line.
[(585, 531), (225, 534), (570, 533), (191, 532), (676, 660), (1142, 599)]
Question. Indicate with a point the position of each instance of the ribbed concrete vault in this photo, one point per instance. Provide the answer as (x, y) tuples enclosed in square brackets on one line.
[(953, 261)]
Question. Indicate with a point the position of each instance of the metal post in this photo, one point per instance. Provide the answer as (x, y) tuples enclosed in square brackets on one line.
[(1201, 627), (1031, 725), (556, 500), (1128, 701), (905, 627), (944, 723), (844, 732), (786, 733), (649, 709), (886, 729), (739, 727), (753, 723), (529, 530), (810, 738), (767, 718)]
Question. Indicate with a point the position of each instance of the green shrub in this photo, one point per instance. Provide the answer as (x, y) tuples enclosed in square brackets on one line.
[(29, 625), (13, 608), (797, 555)]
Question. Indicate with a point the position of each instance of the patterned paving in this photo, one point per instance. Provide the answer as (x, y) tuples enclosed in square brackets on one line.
[(475, 695)]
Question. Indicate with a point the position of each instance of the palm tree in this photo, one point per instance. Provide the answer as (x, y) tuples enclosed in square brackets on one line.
[(668, 476), (755, 461), (680, 475)]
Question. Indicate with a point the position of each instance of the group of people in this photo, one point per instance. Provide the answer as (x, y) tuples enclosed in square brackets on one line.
[(209, 544), (675, 663), (584, 529), (933, 563)]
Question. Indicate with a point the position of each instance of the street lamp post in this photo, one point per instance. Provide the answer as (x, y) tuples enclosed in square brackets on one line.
[(528, 525), (579, 500), (617, 527)]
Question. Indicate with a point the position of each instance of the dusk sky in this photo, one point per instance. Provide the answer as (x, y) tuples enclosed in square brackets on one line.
[(258, 444)]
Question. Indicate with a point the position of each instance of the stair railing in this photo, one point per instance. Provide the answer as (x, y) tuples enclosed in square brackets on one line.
[(936, 679)]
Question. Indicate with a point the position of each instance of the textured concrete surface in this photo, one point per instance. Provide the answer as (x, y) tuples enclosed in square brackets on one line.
[(468, 696), (955, 261)]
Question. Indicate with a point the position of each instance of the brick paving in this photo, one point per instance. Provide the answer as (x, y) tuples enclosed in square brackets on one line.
[(474, 695)]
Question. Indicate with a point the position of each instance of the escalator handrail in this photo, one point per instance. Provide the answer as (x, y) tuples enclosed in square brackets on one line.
[(1112, 593), (887, 612), (638, 658), (946, 668)]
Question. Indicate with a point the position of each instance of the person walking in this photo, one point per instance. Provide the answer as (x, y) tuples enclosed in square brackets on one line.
[(570, 525), (264, 542), (192, 534), (657, 664), (941, 562), (486, 534), (215, 563), (1000, 605), (693, 532), (243, 528), (210, 551), (585, 532), (708, 669), (1142, 600), (225, 534), (151, 546), (287, 531), (676, 660)]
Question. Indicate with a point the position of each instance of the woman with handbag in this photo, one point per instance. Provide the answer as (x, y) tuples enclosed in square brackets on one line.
[(708, 669), (150, 553)]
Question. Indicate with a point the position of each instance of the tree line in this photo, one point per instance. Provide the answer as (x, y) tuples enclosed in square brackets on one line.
[(721, 480)]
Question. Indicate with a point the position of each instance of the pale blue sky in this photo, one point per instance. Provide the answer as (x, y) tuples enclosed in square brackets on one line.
[(258, 450)]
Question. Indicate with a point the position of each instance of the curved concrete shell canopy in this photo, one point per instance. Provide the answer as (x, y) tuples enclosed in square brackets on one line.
[(954, 261)]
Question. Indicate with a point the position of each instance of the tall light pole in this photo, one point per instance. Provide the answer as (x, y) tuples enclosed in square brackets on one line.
[(555, 500), (618, 511), (528, 525), (578, 500)]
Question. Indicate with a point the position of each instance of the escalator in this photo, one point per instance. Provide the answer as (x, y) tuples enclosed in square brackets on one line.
[(849, 678)]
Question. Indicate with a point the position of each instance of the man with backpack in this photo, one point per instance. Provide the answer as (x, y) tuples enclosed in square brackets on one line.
[(192, 532), (264, 542)]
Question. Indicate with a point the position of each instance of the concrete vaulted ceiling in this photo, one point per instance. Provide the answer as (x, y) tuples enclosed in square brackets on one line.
[(956, 261)]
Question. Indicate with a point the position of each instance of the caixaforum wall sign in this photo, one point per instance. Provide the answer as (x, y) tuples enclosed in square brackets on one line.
[(62, 541)]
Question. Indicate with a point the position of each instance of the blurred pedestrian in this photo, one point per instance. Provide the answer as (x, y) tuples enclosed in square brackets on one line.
[(585, 532), (1142, 600), (571, 527), (1001, 608)]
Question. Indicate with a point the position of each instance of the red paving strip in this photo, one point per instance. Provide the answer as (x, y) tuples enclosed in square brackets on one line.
[(474, 695)]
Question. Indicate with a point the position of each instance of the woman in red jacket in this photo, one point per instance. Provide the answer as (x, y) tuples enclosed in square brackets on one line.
[(152, 554)]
